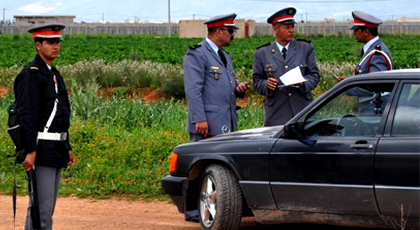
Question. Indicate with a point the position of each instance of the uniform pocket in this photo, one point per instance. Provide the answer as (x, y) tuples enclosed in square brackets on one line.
[(303, 68), (270, 68), (214, 71), (211, 108)]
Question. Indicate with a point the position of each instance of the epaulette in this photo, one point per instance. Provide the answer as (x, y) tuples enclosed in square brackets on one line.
[(34, 68), (195, 46), (304, 40), (263, 45)]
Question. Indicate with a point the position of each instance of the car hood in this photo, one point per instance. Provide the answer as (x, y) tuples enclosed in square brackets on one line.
[(258, 133)]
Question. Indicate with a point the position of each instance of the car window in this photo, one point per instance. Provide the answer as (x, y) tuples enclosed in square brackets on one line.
[(357, 111), (407, 114)]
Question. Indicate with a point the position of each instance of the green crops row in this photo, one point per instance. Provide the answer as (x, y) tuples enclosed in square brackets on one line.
[(115, 48), (122, 146)]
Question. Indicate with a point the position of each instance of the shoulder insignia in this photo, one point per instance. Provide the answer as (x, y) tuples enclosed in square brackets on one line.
[(304, 40), (195, 46), (264, 45), (34, 68)]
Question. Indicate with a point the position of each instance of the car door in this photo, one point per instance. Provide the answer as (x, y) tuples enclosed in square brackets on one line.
[(335, 175), (397, 161)]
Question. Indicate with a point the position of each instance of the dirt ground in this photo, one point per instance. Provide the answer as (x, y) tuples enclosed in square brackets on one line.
[(120, 214)]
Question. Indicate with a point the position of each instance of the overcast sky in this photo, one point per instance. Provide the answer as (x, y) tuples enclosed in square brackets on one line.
[(157, 10)]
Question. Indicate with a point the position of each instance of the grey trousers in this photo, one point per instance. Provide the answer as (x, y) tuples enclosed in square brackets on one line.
[(48, 180)]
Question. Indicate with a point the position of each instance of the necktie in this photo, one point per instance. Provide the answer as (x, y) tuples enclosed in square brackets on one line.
[(284, 51), (222, 56), (362, 52)]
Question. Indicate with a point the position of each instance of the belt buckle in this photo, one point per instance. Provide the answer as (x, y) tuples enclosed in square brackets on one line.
[(63, 136)]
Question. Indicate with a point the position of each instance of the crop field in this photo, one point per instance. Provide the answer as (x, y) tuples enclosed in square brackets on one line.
[(122, 142), (16, 50)]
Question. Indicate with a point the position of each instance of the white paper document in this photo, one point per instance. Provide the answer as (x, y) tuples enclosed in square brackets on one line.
[(292, 77)]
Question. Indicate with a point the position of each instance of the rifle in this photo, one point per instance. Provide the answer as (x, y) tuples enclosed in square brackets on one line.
[(33, 196)]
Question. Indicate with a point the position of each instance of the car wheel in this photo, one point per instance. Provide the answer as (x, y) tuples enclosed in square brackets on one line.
[(220, 199)]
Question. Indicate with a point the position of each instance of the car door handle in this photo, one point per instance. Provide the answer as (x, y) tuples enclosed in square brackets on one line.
[(362, 146)]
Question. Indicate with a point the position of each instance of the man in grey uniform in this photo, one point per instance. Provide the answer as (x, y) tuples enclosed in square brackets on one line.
[(210, 81), (375, 57), (274, 59)]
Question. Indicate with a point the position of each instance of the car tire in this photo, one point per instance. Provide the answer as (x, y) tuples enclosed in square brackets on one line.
[(220, 199)]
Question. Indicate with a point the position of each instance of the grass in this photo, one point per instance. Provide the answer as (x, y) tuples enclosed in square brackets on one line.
[(122, 146)]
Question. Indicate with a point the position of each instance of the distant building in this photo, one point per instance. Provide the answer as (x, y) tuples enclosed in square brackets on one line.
[(39, 20), (404, 19)]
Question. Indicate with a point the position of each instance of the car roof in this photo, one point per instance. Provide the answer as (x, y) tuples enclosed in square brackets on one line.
[(392, 74)]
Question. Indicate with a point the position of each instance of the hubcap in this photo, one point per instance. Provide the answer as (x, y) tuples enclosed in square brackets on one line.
[(208, 201)]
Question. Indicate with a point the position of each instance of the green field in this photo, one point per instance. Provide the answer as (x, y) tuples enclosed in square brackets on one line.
[(122, 143), (18, 50)]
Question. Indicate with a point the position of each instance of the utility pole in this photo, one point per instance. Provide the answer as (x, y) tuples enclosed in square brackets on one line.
[(193, 16), (4, 15), (103, 17), (169, 18)]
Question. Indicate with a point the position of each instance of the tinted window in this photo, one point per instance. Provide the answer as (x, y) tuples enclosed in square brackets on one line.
[(407, 115), (355, 112)]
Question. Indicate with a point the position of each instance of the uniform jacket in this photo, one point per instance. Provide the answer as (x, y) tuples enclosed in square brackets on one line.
[(282, 104), (376, 63), (35, 95), (210, 89)]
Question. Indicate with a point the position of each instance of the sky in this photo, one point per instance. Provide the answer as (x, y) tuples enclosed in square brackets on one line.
[(157, 10)]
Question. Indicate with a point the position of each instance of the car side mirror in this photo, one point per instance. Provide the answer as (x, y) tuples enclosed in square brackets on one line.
[(295, 131), (292, 130)]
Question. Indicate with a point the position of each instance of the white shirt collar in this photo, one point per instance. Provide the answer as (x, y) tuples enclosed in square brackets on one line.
[(49, 67), (281, 47), (369, 43), (212, 45)]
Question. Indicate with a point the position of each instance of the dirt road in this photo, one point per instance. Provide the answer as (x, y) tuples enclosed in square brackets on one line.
[(121, 214)]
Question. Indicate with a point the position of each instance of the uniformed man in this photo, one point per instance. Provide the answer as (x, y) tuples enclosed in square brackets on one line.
[(375, 55), (274, 59), (210, 83), (44, 114)]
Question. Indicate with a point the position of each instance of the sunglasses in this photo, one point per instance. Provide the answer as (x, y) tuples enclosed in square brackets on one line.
[(230, 30)]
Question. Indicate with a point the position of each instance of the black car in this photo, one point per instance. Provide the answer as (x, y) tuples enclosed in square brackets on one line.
[(352, 157)]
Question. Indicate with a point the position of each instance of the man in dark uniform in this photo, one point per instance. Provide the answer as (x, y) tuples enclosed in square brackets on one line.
[(44, 114), (273, 60), (210, 81)]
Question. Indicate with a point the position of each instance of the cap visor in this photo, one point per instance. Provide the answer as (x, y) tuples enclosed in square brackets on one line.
[(58, 39), (354, 27), (233, 27), (291, 21)]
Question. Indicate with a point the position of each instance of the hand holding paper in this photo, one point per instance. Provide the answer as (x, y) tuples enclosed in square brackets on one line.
[(292, 77)]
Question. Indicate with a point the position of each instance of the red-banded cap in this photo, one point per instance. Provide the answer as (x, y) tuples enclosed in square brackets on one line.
[(221, 21), (285, 16), (361, 19), (52, 31)]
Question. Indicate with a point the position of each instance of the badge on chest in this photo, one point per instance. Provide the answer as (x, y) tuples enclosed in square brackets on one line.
[(215, 71)]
